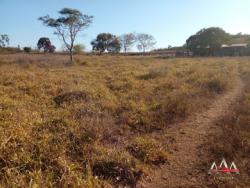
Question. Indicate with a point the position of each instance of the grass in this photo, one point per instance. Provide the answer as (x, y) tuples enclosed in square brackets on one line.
[(84, 125), (148, 150), (233, 138)]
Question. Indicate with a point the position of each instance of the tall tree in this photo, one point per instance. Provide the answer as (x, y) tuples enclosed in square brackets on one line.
[(4, 40), (145, 41), (207, 41), (106, 42), (68, 25), (45, 44), (127, 41)]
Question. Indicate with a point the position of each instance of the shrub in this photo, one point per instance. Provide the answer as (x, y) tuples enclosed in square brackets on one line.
[(116, 172), (149, 76), (80, 62), (148, 151), (174, 106), (27, 49), (79, 48), (70, 97), (215, 85)]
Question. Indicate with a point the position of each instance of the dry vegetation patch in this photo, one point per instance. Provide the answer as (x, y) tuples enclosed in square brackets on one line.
[(62, 125)]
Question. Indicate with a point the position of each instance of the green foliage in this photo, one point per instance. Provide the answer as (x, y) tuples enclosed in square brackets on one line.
[(211, 38), (45, 44), (106, 42)]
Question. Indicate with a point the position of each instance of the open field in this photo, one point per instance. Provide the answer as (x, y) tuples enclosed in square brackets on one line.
[(107, 120)]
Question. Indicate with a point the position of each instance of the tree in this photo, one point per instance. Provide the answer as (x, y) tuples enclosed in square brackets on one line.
[(207, 41), (79, 48), (106, 42), (4, 40), (45, 44), (68, 25), (145, 41), (127, 41)]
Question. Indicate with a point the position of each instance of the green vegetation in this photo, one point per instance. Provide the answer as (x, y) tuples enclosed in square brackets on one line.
[(27, 49)]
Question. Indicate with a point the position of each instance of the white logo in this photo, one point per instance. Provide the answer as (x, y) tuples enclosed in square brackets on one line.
[(223, 168)]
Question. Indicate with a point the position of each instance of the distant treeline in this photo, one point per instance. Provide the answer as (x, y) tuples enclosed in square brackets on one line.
[(215, 41)]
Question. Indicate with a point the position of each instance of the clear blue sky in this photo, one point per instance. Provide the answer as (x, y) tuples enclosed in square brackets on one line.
[(171, 22)]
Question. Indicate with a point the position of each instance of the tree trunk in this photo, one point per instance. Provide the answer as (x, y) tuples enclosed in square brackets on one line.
[(71, 55)]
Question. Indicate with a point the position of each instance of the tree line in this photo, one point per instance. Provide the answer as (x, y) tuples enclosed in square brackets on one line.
[(71, 22)]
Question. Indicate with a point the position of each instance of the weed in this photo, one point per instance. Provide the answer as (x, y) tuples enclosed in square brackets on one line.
[(147, 150)]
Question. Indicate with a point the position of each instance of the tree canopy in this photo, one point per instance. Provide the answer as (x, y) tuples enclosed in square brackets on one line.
[(106, 42), (68, 25), (45, 44), (207, 41)]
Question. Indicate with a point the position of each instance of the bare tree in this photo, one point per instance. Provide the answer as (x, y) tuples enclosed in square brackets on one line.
[(127, 41), (145, 41), (68, 25)]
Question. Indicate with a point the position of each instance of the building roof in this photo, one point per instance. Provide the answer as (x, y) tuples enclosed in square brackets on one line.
[(234, 45)]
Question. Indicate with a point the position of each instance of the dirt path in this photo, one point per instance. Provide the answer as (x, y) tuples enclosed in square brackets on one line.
[(186, 165)]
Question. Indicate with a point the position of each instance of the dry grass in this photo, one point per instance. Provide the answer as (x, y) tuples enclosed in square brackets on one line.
[(233, 138), (71, 125)]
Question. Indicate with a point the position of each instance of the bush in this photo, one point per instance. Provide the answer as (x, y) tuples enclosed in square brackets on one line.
[(148, 151), (215, 85), (79, 48), (70, 97), (27, 49), (117, 172)]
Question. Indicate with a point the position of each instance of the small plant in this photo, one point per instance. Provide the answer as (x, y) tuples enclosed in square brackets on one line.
[(117, 172), (148, 151), (149, 76), (70, 97), (215, 85), (80, 62)]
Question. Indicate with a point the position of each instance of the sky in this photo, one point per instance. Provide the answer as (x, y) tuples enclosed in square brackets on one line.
[(171, 22)]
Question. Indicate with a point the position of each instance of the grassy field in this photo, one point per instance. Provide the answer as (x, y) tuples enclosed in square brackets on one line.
[(89, 124)]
